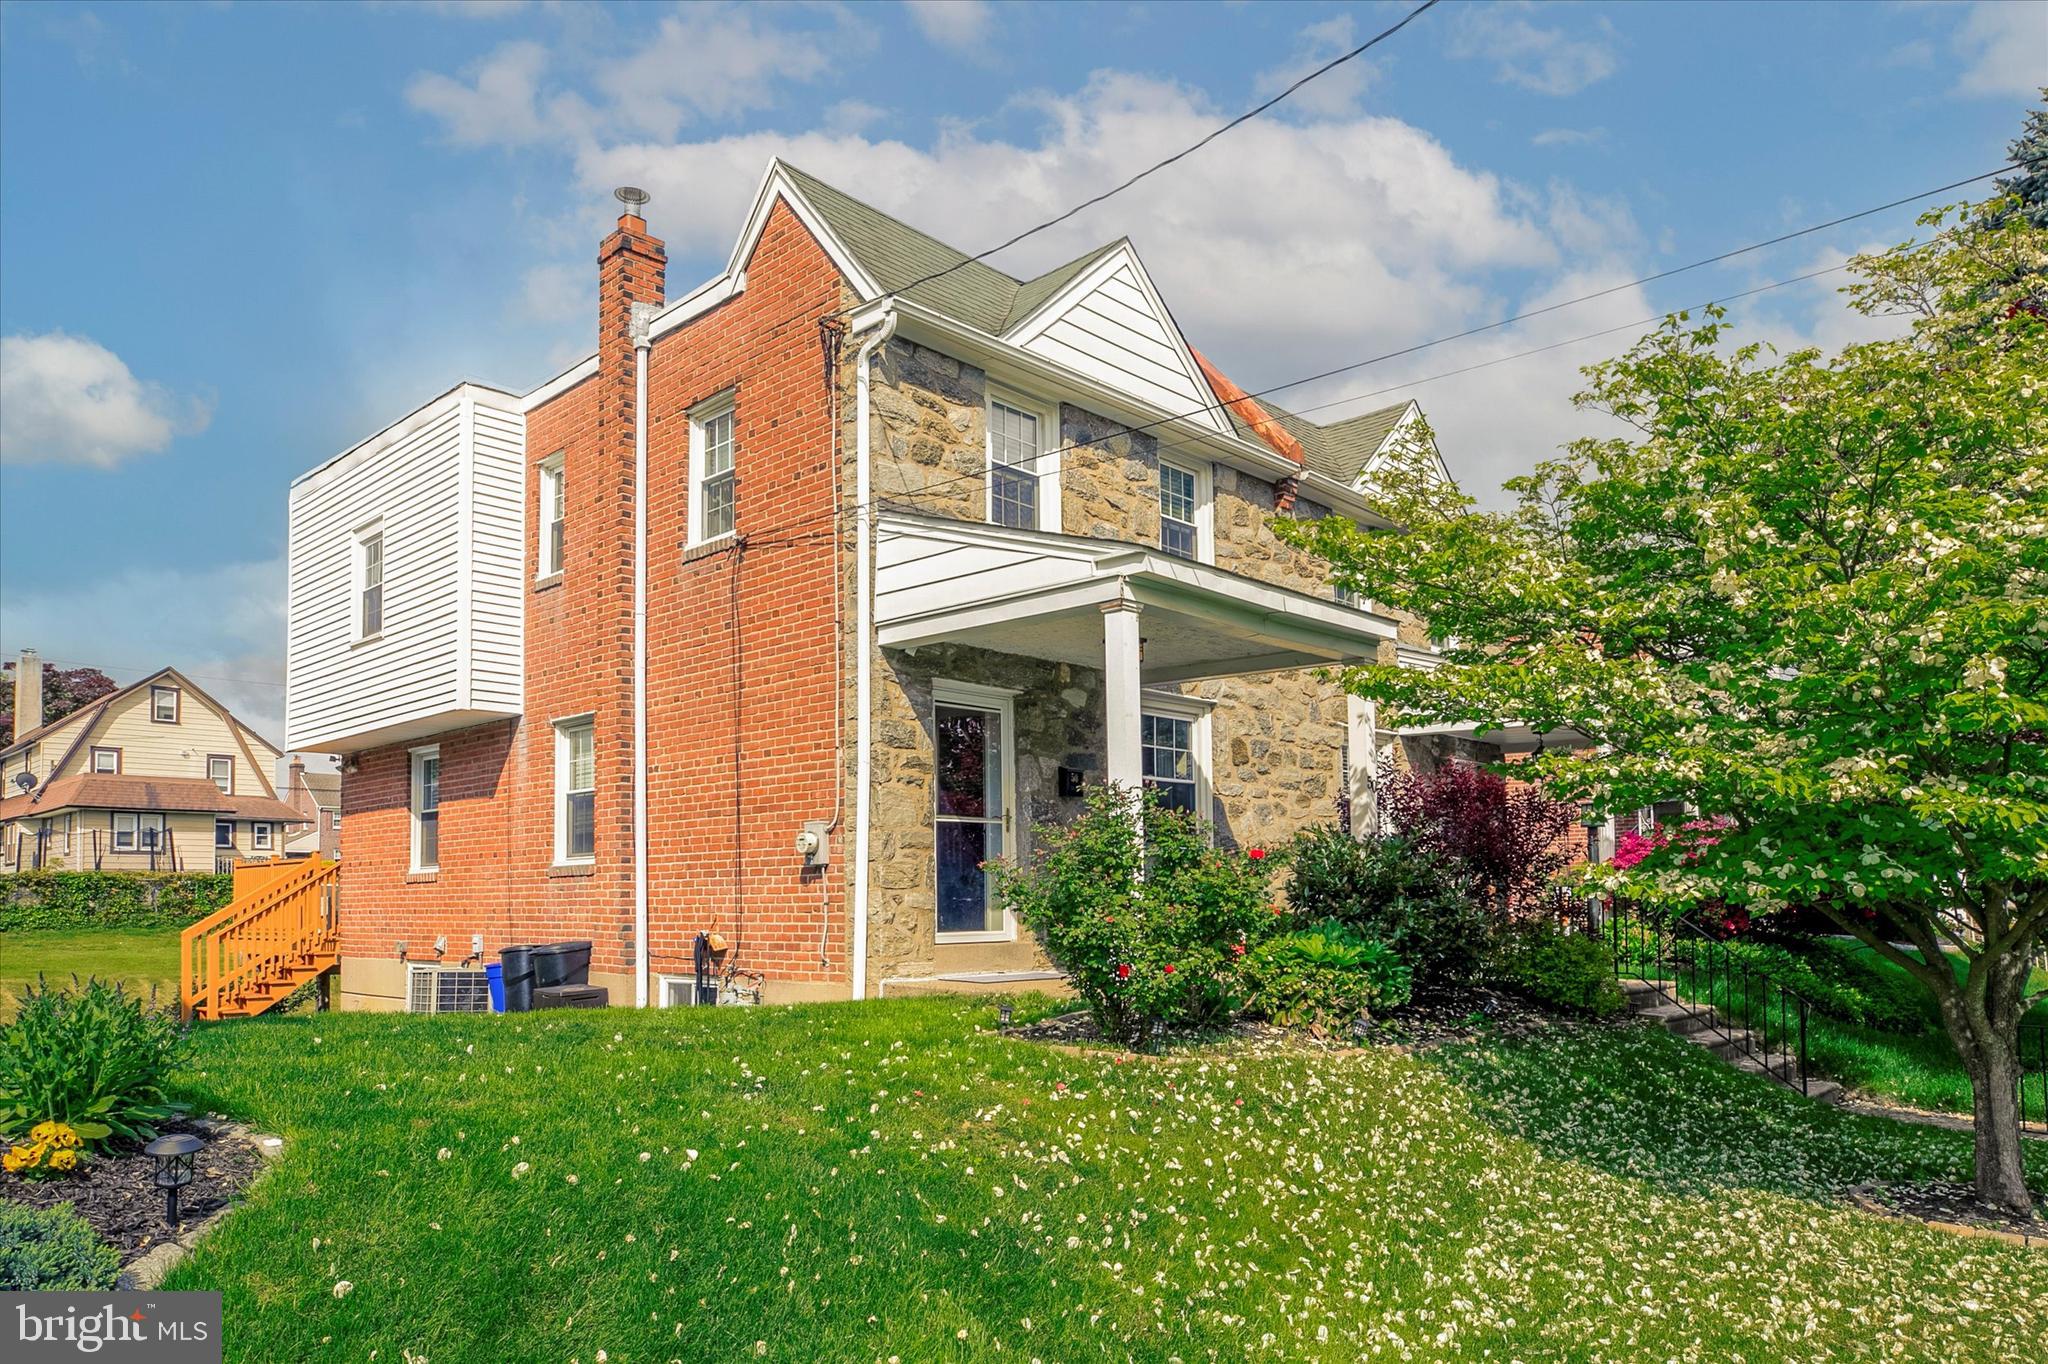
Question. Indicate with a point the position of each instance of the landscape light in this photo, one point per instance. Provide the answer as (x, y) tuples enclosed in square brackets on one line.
[(173, 1156)]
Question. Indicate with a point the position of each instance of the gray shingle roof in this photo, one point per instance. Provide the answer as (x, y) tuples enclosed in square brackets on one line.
[(1342, 449)]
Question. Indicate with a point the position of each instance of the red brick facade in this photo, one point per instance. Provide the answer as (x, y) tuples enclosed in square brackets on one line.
[(741, 678)]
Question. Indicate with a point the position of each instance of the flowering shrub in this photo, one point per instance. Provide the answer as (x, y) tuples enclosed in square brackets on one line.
[(1150, 932), (52, 1250), (1566, 970), (1396, 892), (1325, 974), (52, 1149), (93, 1058)]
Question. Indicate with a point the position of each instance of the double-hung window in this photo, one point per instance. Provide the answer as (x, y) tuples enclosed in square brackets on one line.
[(221, 772), (163, 705), (369, 582), (1183, 511), (426, 809), (1173, 747), (575, 791), (223, 833), (554, 516), (106, 760), (259, 837), (711, 471), (1023, 478), (138, 831)]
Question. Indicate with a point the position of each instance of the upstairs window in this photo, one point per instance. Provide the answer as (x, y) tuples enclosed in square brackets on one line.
[(1022, 489), (1183, 509), (163, 705), (711, 472), (554, 516), (426, 809), (370, 584), (575, 791), (107, 761), (221, 771)]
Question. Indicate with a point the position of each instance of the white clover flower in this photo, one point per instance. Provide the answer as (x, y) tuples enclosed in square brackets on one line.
[(343, 1288)]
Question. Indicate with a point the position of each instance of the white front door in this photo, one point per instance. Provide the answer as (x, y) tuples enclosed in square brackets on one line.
[(972, 733)]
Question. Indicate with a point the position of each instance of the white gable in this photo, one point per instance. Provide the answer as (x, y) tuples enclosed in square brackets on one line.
[(1110, 325)]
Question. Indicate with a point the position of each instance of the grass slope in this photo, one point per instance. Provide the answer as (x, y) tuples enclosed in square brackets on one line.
[(883, 1181), (141, 959)]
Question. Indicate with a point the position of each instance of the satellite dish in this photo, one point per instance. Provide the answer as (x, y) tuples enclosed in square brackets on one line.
[(25, 779)]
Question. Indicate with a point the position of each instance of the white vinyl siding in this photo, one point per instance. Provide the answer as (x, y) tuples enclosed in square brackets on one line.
[(445, 491)]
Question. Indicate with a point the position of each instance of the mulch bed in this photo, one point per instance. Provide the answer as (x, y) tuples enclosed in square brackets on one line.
[(1947, 1202), (116, 1192)]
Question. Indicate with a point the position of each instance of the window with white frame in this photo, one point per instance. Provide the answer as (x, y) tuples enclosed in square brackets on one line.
[(223, 833), (1023, 478), (1168, 750), (221, 772), (259, 836), (575, 791), (1184, 510), (369, 576), (138, 831), (163, 705), (711, 471), (554, 516), (124, 831), (106, 761), (426, 809)]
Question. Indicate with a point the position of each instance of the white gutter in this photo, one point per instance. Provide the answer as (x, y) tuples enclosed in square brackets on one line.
[(641, 342), (864, 644)]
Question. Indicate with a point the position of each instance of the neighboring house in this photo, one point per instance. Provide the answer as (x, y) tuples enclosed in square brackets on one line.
[(807, 594), (157, 776), (317, 798)]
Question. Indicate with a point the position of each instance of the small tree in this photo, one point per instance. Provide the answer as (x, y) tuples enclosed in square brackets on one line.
[(1507, 835), (1808, 595), (64, 691)]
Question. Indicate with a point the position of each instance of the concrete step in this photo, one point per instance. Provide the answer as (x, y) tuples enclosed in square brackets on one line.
[(1682, 1019)]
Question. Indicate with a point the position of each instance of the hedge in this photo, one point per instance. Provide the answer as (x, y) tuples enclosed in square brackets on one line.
[(110, 899)]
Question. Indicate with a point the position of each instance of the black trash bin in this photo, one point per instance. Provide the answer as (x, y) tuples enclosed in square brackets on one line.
[(571, 997), (562, 963), (516, 964)]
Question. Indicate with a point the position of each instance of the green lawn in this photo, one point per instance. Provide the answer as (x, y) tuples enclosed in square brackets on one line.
[(142, 959), (868, 1182)]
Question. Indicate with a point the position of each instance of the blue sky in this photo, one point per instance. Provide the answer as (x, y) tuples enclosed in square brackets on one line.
[(234, 239)]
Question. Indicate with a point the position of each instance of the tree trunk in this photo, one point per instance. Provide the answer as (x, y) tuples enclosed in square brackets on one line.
[(1994, 1070)]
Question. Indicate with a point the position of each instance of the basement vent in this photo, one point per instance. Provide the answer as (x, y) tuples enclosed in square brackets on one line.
[(446, 990)]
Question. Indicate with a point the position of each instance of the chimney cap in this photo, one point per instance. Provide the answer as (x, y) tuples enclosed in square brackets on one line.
[(633, 197)]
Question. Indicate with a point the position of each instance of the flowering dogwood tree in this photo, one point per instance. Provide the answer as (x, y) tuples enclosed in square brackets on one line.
[(1805, 594)]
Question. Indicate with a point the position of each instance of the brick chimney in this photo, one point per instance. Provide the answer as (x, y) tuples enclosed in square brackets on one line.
[(28, 693), (631, 268)]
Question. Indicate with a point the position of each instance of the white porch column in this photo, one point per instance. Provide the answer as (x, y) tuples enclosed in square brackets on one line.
[(1361, 723), (1121, 702)]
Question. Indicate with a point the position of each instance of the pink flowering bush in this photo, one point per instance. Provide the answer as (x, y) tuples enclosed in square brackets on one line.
[(1151, 932)]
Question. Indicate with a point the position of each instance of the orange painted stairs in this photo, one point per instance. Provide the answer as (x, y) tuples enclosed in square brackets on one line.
[(275, 936)]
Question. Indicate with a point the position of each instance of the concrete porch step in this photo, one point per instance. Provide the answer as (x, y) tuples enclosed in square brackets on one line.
[(1704, 1027), (1683, 1019)]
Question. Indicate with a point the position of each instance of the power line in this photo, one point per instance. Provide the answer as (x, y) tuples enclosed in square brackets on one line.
[(1189, 150)]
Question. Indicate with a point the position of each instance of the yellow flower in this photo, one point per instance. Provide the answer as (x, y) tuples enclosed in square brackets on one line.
[(64, 1160), (14, 1160), (67, 1138), (43, 1131)]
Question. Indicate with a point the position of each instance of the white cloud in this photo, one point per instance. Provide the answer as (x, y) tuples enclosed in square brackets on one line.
[(962, 25), (221, 625), (853, 116), (69, 400), (1569, 137), (1330, 96), (2006, 45), (499, 105), (713, 62), (1548, 61)]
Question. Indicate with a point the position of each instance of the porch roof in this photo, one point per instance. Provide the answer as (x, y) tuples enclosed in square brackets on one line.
[(940, 580)]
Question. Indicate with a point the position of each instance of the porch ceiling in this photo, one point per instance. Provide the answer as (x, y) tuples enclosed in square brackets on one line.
[(1041, 596)]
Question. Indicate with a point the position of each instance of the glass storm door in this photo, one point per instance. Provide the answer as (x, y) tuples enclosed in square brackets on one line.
[(973, 817)]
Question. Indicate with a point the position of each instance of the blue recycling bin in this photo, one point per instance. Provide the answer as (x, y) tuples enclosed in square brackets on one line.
[(495, 974)]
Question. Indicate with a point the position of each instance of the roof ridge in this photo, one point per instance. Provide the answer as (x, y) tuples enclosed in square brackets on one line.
[(813, 183)]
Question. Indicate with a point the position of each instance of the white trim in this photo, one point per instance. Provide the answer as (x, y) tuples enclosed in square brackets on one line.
[(696, 303), (1195, 710), (1002, 701), (552, 470), (260, 835), (1045, 462), (586, 368), (1205, 504), (416, 759), (662, 982), (563, 728), (465, 550), (725, 404), (1046, 314), (1379, 456)]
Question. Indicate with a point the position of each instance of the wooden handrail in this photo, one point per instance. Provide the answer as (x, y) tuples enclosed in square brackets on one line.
[(257, 937)]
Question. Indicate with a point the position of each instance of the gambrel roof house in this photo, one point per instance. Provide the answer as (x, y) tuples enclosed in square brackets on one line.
[(156, 776), (809, 592)]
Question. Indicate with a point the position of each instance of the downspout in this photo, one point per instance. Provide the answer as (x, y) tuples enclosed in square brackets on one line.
[(863, 643), (641, 342)]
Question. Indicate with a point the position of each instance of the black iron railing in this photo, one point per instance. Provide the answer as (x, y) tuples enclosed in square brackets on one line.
[(1751, 1014), (2033, 1052)]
